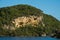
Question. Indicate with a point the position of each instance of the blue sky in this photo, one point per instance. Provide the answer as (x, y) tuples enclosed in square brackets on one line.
[(51, 7)]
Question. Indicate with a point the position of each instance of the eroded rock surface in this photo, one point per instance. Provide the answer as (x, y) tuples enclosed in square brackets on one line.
[(30, 20)]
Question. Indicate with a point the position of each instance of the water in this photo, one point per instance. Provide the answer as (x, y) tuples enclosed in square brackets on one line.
[(28, 38)]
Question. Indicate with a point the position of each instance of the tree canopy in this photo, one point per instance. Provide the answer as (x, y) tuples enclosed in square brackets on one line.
[(9, 13)]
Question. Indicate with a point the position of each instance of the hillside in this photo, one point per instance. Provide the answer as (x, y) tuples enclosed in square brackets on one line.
[(25, 20)]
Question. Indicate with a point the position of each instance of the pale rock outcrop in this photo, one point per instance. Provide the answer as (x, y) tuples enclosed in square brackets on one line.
[(8, 27), (30, 20)]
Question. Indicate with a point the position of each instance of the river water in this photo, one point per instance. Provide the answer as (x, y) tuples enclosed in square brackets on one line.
[(28, 38)]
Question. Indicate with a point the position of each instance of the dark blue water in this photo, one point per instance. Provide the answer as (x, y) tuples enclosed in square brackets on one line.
[(28, 38)]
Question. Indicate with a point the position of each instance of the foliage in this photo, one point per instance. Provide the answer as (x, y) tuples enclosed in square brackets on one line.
[(7, 14)]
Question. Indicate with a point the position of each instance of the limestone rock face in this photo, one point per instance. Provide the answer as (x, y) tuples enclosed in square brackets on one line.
[(30, 20)]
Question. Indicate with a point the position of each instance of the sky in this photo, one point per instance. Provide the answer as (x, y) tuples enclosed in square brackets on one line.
[(50, 7)]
